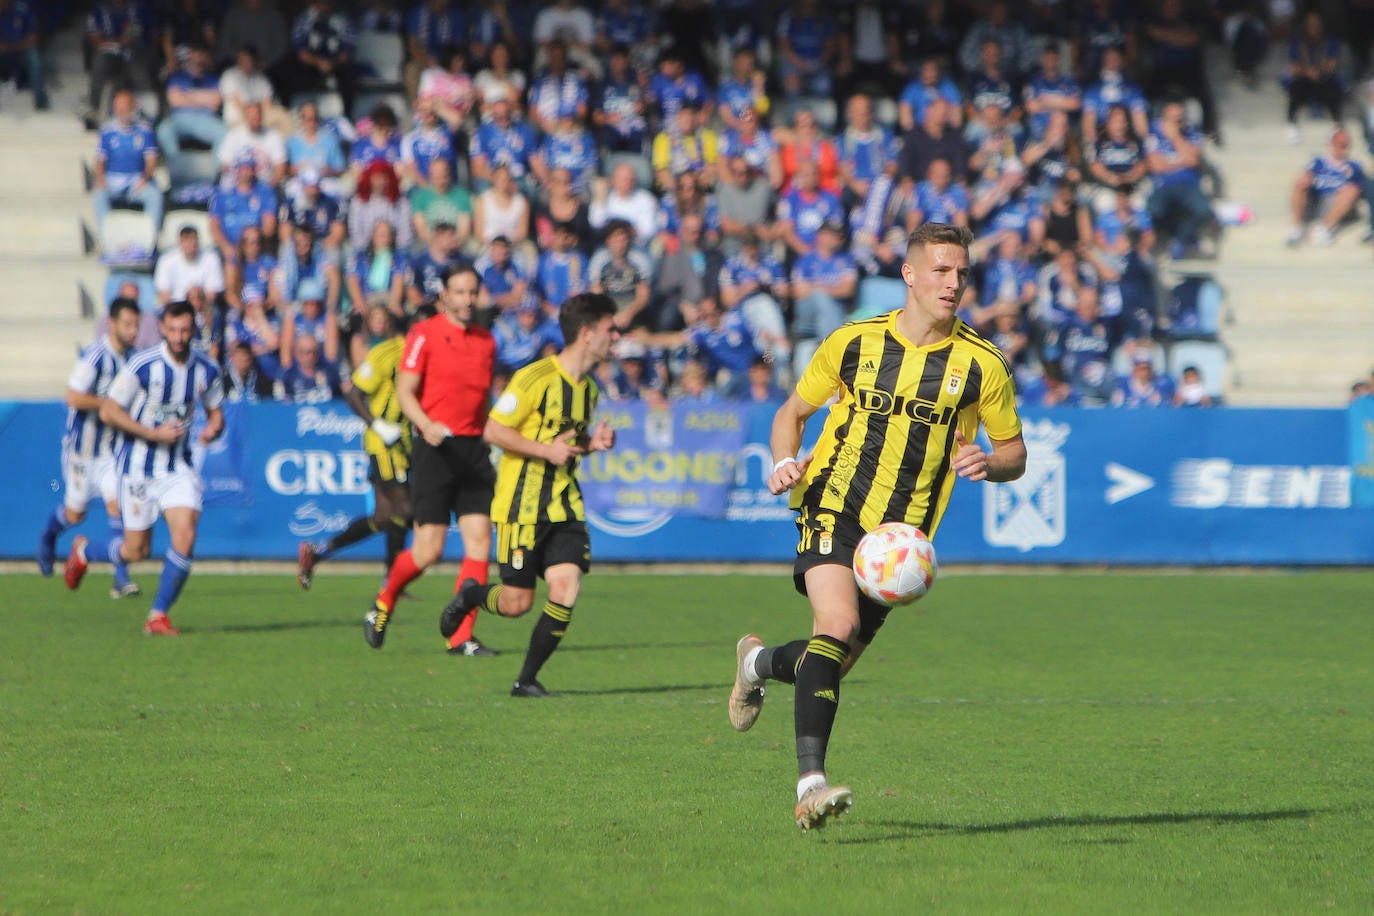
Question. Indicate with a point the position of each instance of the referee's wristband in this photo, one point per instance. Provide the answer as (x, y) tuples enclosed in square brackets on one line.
[(779, 466)]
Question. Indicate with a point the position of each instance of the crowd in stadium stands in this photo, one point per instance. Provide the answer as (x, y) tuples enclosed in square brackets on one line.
[(739, 176)]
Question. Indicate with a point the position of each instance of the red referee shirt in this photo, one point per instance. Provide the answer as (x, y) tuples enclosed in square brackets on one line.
[(454, 365)]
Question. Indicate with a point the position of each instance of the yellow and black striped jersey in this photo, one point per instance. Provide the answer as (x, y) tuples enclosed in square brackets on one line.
[(541, 402), (376, 378), (886, 448)]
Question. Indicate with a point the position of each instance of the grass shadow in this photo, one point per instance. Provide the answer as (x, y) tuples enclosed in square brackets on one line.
[(907, 830), (273, 627), (658, 688)]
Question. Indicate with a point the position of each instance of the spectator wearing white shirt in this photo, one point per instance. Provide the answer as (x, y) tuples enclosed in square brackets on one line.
[(244, 84), (267, 145), (188, 267), (621, 198)]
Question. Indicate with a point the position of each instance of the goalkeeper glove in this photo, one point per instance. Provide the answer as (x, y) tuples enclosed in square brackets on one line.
[(388, 432)]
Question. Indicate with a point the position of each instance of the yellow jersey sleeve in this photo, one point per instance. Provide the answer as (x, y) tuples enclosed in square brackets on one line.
[(997, 405), (518, 401), (822, 376), (369, 376)]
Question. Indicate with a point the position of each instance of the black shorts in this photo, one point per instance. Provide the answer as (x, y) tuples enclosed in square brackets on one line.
[(525, 551), (827, 538), (455, 478), (388, 469)]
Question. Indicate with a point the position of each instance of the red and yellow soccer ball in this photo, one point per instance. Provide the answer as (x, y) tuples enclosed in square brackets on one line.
[(895, 564)]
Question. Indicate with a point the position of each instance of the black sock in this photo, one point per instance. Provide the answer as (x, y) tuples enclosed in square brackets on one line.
[(395, 541), (483, 597), (360, 529), (779, 663), (548, 633), (817, 700)]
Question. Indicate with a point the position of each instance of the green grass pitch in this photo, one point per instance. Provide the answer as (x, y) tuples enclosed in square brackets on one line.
[(1016, 743)]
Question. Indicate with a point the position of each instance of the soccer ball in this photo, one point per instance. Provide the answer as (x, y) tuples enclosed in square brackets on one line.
[(894, 564)]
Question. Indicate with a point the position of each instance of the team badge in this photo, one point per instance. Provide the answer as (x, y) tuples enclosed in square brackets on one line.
[(956, 381), (825, 545), (517, 560)]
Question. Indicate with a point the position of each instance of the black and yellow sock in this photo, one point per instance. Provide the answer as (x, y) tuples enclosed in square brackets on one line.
[(548, 633), (483, 597), (779, 663), (360, 529), (817, 700)]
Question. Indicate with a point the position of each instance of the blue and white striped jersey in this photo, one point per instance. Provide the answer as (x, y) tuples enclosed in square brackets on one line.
[(86, 436), (155, 389)]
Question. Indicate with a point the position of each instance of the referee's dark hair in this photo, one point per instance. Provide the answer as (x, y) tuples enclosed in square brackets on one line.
[(124, 304), (454, 270), (583, 311)]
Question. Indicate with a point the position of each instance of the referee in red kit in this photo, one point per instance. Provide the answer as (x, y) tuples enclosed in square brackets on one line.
[(442, 385)]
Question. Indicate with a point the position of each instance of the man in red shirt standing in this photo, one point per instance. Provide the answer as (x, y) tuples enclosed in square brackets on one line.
[(442, 385)]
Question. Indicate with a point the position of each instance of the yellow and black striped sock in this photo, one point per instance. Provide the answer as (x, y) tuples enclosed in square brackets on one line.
[(817, 700), (779, 663), (548, 633)]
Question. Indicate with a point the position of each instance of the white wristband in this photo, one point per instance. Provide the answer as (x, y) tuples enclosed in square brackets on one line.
[(778, 467)]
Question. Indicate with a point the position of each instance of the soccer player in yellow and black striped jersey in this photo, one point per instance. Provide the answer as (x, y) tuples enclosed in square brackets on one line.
[(387, 443), (911, 388), (542, 423)]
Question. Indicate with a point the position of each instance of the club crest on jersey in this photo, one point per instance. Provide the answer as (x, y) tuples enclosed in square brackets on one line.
[(956, 381), (517, 559)]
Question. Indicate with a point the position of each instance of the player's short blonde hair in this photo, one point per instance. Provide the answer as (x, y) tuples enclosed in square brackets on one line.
[(939, 234)]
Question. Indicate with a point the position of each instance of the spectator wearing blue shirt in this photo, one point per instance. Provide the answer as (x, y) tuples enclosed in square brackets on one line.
[(754, 284), (931, 84), (724, 341), (1327, 190), (321, 57), (525, 334), (618, 106), (1143, 388), (248, 275), (305, 263), (120, 34), (20, 55), (381, 141), (623, 25), (997, 24), (1178, 206), (562, 269), (992, 84), (864, 149), (1050, 390), (425, 276), (1177, 44), (569, 147), (807, 45), (429, 140), (1111, 90), (310, 379), (749, 142), (431, 27), (1060, 285), (1124, 228), (557, 92), (673, 85), (376, 274), (803, 210), (504, 281), (938, 199), (1103, 25), (823, 282), (246, 202), (744, 88), (194, 103), (1116, 160), (1314, 59), (1049, 91), (501, 140), (316, 209), (312, 147), (125, 158), (879, 224), (1008, 284), (1082, 347)]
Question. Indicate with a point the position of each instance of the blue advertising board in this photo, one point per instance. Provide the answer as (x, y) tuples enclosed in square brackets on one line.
[(1194, 487)]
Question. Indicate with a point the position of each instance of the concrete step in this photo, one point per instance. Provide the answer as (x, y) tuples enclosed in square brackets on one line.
[(36, 358), (37, 234), (53, 292)]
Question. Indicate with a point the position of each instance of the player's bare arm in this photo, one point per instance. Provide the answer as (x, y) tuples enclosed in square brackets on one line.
[(559, 452), (115, 415), (1006, 461), (788, 425), (408, 396), (214, 426), (82, 400)]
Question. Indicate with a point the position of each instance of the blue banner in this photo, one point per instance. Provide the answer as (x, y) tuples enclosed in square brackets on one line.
[(1193, 487), (680, 460)]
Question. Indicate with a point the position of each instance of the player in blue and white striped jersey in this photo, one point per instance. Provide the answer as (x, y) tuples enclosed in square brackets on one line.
[(88, 445), (152, 402)]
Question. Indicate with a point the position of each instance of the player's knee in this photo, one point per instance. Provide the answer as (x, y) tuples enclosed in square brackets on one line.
[(516, 602)]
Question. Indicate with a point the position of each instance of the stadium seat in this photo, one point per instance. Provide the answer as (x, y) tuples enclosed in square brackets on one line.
[(885, 112), (1211, 359), (878, 296), (127, 238), (193, 166), (644, 170), (380, 56), (175, 219)]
